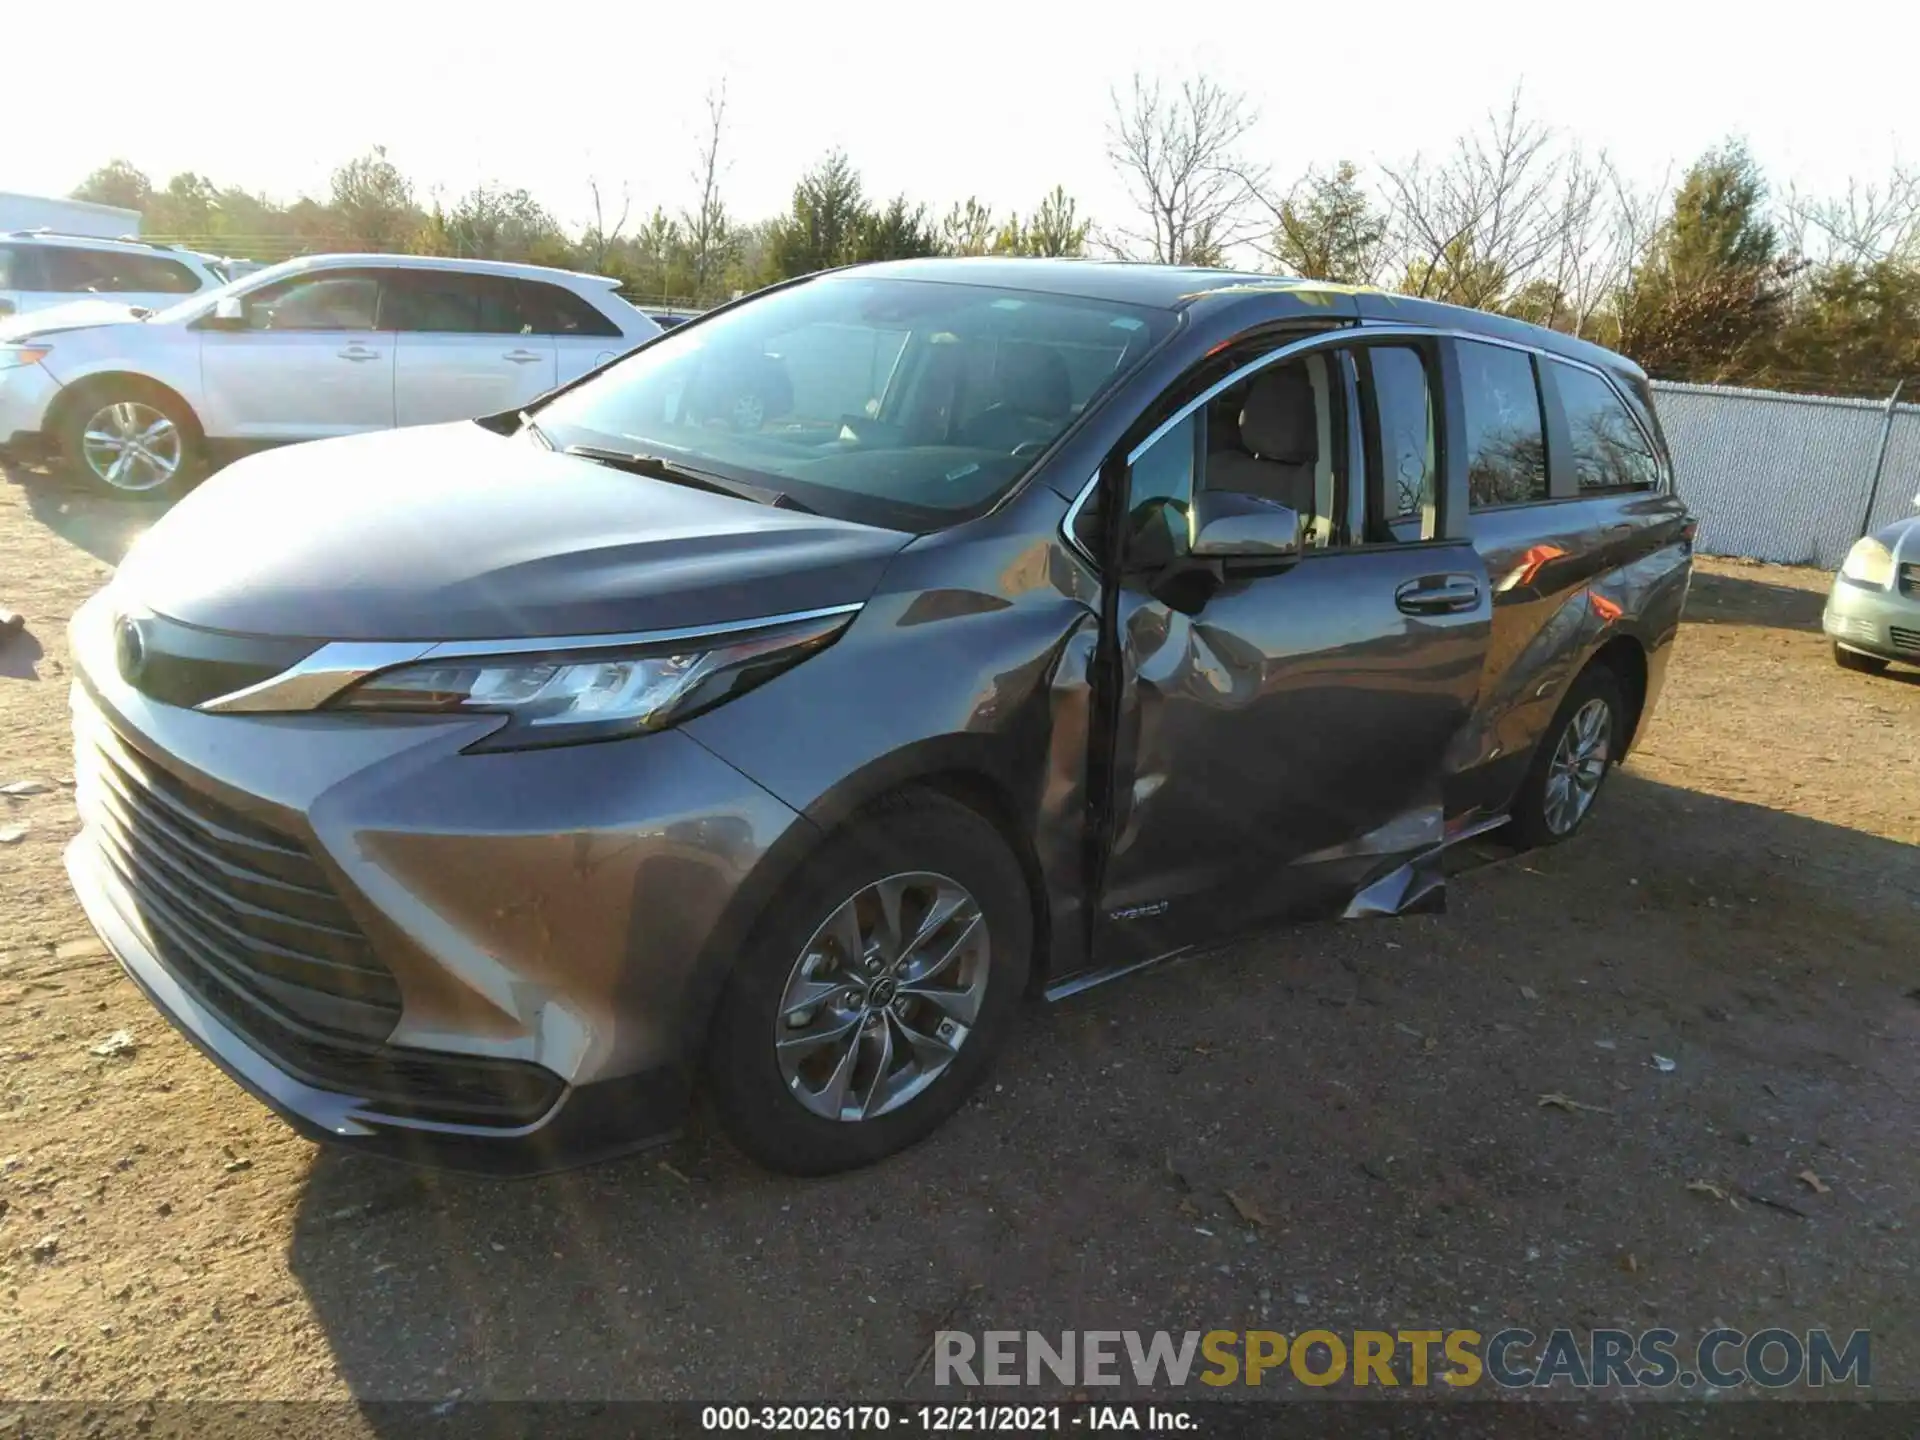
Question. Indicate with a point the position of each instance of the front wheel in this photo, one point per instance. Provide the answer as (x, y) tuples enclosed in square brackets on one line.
[(1585, 740), (132, 438), (875, 991)]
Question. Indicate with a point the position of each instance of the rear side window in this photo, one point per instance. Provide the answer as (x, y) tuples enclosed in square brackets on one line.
[(450, 302), (552, 310), (109, 272), (1506, 438), (1609, 450), (1393, 380)]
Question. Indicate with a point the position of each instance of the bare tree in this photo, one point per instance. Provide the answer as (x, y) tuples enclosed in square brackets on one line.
[(1179, 155), (1869, 223), (1596, 229), (600, 239), (1474, 227), (708, 229)]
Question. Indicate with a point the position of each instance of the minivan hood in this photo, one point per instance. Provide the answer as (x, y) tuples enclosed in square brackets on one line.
[(80, 315), (452, 532)]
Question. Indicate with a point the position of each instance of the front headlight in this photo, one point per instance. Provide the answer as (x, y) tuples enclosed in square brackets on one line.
[(568, 696), (1868, 562)]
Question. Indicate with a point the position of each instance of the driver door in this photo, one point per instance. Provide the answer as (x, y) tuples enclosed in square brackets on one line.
[(307, 363), (1282, 723)]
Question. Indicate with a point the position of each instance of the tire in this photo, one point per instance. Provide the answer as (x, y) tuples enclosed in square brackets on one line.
[(1539, 815), (776, 1101), (1860, 664), (137, 412)]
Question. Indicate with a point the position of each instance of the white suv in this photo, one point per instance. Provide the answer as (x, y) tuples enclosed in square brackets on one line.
[(40, 269), (323, 345)]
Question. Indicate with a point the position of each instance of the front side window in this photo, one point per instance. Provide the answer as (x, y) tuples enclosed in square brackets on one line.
[(1506, 438), (907, 403), (326, 301), (1280, 435), (1609, 450)]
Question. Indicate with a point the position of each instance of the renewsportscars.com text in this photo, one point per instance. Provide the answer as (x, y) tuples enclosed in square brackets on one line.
[(1513, 1358)]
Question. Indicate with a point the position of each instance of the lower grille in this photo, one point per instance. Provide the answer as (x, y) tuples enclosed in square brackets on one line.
[(1904, 639), (245, 918)]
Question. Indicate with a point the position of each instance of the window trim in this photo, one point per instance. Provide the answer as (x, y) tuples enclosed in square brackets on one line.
[(1333, 338), (1455, 509), (1633, 409)]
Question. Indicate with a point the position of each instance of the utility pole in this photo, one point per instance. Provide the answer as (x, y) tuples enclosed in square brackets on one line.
[(1880, 458)]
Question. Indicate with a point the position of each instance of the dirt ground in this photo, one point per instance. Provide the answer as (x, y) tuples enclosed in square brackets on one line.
[(1745, 903)]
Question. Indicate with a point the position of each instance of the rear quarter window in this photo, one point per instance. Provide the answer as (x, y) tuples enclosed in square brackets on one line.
[(552, 310), (1610, 450)]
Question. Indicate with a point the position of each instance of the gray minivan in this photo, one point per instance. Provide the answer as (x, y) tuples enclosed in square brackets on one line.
[(779, 705)]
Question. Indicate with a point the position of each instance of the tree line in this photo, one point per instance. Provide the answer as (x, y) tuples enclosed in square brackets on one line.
[(1709, 277)]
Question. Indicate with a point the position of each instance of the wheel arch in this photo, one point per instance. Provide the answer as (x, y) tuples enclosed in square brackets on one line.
[(75, 392), (1625, 655), (959, 772)]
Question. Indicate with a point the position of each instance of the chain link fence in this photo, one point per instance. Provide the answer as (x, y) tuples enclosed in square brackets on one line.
[(1789, 478)]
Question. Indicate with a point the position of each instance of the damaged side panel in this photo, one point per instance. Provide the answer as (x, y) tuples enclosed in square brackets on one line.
[(1284, 751)]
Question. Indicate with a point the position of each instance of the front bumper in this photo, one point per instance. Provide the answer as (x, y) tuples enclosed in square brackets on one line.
[(26, 398), (1874, 621), (527, 936)]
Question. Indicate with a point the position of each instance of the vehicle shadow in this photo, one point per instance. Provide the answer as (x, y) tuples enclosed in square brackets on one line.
[(1340, 1116), (103, 525), (1715, 598), (20, 656)]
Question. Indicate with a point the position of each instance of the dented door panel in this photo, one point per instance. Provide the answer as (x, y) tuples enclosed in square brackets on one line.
[(1285, 748)]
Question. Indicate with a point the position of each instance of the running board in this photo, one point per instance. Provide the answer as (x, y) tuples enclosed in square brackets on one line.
[(1396, 881)]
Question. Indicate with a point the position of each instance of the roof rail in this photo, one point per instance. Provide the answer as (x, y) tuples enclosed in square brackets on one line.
[(49, 233)]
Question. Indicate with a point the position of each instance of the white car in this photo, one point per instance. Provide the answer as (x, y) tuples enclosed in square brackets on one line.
[(319, 346), (40, 269)]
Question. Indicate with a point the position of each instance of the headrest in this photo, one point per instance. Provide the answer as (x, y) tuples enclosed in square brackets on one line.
[(1278, 420), (1033, 380)]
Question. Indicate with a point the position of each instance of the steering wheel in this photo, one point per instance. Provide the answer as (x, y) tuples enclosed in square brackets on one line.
[(1029, 447)]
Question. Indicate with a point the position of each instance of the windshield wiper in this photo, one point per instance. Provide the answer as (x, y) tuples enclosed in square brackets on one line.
[(532, 427), (654, 467)]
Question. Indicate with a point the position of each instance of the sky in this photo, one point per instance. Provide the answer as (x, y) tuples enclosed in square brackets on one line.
[(985, 97)]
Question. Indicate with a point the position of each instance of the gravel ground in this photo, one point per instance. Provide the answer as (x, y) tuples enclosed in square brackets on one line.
[(1744, 903)]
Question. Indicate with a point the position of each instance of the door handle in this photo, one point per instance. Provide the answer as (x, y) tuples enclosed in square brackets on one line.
[(1438, 595), (359, 352), (522, 357)]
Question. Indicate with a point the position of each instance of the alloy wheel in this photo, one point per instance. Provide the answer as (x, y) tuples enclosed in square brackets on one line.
[(132, 446), (1579, 765), (883, 996)]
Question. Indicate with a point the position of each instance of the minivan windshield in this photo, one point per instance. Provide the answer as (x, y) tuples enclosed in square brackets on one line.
[(911, 404)]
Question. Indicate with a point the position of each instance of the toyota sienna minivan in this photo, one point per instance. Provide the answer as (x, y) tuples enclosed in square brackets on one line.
[(776, 707)]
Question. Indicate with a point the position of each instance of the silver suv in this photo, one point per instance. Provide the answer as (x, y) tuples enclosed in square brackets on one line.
[(40, 269)]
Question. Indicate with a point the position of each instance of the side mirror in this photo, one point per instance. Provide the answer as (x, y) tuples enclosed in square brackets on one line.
[(229, 313), (1230, 526)]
